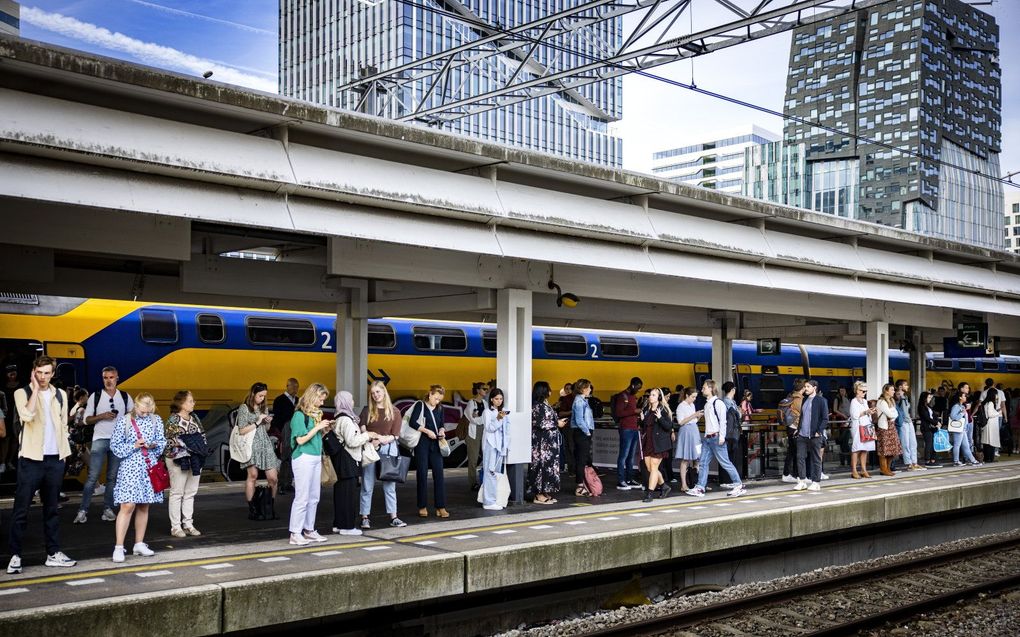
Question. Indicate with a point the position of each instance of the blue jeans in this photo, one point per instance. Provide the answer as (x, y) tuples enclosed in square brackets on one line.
[(368, 481), (908, 440), (961, 440), (100, 452), (710, 448), (624, 461)]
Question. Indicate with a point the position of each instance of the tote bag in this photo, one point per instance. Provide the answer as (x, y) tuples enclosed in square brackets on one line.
[(502, 489), (941, 441)]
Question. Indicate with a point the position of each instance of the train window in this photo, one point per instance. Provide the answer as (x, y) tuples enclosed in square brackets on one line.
[(618, 346), (159, 326), (771, 390), (942, 363), (210, 329), (263, 330), (439, 339), (968, 365), (381, 336), (67, 375), (989, 366), (565, 344), (1013, 367), (489, 341)]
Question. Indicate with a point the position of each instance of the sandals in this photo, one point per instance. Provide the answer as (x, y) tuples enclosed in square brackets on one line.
[(546, 501), (581, 491)]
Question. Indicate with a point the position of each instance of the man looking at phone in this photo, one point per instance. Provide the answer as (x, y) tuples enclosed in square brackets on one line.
[(102, 411)]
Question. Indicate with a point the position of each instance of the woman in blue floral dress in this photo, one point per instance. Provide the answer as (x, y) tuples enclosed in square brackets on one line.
[(544, 471), (138, 440)]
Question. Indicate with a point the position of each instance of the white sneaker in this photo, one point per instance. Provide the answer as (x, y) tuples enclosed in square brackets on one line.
[(118, 554), (800, 486), (315, 537), (297, 540), (81, 518), (14, 566), (789, 479), (348, 532), (825, 476), (814, 486), (727, 485), (624, 487), (99, 490), (108, 515), (59, 559), (141, 548), (492, 507), (696, 492), (738, 490)]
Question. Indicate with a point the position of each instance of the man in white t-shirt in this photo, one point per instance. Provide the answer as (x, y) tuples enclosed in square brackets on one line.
[(103, 409)]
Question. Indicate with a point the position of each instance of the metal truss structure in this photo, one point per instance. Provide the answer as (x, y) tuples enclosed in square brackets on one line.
[(537, 58)]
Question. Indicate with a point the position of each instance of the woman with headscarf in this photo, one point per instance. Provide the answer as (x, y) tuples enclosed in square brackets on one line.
[(348, 463), (495, 446)]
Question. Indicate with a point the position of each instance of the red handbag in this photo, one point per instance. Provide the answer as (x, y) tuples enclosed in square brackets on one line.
[(158, 475)]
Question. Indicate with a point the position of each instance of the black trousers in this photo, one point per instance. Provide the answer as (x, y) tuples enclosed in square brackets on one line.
[(46, 476), (427, 456), (929, 444), (790, 464), (736, 455), (989, 453), (345, 502), (582, 453), (809, 447)]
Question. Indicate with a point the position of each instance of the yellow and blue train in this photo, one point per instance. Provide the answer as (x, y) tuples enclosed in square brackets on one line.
[(218, 352)]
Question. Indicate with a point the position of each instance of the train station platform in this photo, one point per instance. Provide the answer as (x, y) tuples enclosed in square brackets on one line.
[(243, 575)]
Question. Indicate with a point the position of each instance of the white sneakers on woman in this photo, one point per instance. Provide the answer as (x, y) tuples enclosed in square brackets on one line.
[(140, 548)]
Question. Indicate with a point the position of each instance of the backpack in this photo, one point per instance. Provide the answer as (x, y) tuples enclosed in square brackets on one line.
[(733, 418), (60, 395), (592, 482), (96, 396), (786, 414), (262, 505)]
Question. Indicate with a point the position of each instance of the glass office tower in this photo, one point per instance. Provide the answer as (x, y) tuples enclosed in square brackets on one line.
[(918, 76), (326, 44)]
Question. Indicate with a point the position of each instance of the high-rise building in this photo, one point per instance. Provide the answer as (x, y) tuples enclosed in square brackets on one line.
[(919, 81), (324, 45), (10, 14), (776, 172), (1012, 219), (717, 163)]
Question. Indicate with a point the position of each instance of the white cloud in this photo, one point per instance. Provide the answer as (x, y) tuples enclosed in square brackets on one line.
[(148, 52)]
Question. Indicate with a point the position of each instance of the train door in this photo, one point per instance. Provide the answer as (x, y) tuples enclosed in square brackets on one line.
[(70, 359)]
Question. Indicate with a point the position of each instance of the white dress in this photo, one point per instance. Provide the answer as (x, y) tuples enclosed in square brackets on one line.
[(859, 416), (990, 432)]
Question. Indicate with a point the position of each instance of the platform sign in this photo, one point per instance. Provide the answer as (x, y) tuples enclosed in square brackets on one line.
[(951, 348), (972, 335), (770, 347)]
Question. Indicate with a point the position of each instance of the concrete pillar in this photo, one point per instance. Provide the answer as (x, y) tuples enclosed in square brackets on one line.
[(877, 372), (352, 343), (513, 376), (918, 369), (722, 352)]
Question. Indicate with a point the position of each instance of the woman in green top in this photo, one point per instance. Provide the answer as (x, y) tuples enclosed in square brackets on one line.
[(306, 440)]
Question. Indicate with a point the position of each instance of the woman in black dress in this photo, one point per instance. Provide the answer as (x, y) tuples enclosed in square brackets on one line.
[(656, 442), (544, 471)]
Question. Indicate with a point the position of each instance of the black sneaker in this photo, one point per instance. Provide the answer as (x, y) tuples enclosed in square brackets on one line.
[(648, 496), (397, 523), (665, 491)]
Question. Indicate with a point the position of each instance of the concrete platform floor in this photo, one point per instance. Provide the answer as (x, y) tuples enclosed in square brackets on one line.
[(235, 553)]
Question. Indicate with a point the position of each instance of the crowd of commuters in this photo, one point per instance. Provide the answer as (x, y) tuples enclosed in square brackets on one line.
[(147, 459)]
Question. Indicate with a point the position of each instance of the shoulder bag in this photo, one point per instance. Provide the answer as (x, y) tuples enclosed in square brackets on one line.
[(241, 445), (158, 474), (328, 473), (502, 488), (957, 426), (410, 436), (394, 468)]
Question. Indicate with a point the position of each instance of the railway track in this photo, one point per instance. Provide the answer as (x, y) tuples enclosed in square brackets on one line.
[(848, 603)]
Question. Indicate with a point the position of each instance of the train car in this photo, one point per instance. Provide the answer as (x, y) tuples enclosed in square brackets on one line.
[(218, 352)]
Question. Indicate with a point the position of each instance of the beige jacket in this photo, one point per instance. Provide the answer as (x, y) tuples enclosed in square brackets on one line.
[(32, 424)]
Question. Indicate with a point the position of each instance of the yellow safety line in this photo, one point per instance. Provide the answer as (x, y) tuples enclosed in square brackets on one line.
[(419, 538), (201, 562)]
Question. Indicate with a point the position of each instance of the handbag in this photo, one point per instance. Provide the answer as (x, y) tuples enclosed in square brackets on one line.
[(444, 447), (867, 432), (394, 468), (941, 441), (957, 426), (592, 482), (158, 474), (502, 489), (331, 443), (241, 445), (368, 454), (328, 473), (410, 436)]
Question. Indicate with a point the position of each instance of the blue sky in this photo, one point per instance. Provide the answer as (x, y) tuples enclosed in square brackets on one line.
[(237, 40)]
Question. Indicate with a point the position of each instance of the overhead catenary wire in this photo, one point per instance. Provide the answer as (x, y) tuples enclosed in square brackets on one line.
[(477, 22)]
